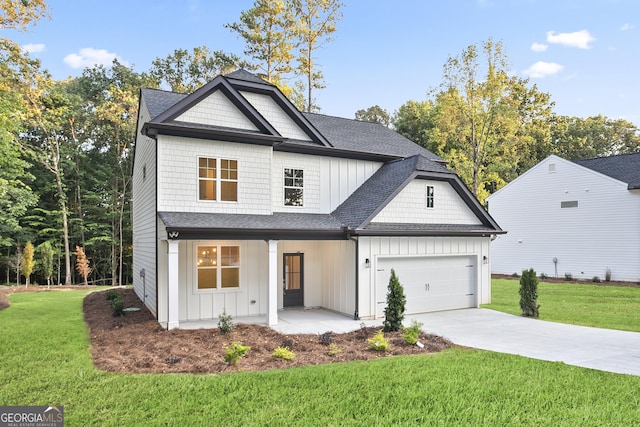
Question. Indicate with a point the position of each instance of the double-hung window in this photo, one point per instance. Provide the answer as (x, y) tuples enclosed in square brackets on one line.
[(218, 267), (293, 187), (217, 179)]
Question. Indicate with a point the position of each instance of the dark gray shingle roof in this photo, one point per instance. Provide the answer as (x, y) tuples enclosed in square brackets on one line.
[(277, 221), (372, 195), (625, 167), (242, 74), (158, 101), (356, 135)]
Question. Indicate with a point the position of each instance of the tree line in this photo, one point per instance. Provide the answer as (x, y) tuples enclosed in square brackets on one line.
[(491, 126), (66, 146)]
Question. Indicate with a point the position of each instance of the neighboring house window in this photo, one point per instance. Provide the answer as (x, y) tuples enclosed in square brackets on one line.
[(293, 187), (218, 267), (430, 196), (217, 179), (569, 204)]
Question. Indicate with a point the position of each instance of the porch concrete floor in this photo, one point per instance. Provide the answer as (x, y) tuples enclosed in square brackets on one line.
[(296, 321)]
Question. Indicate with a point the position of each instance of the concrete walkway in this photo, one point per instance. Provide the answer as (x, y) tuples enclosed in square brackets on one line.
[(601, 349)]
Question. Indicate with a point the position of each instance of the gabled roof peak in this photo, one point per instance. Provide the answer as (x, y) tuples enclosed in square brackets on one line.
[(242, 74)]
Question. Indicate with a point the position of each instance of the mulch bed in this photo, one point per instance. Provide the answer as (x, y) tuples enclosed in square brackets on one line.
[(135, 342)]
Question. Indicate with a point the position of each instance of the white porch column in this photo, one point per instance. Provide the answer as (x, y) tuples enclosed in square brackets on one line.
[(172, 281), (272, 291)]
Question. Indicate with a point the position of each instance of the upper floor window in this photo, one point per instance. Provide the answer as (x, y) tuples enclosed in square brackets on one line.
[(293, 187), (217, 179), (430, 196)]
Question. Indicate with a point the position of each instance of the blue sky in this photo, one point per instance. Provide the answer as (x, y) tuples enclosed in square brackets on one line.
[(585, 53)]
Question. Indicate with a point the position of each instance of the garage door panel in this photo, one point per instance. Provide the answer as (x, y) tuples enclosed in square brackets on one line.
[(430, 283)]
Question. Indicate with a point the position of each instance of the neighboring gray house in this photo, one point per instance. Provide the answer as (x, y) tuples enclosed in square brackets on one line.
[(244, 204), (580, 218)]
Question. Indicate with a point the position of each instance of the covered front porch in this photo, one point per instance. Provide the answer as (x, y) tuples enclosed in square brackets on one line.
[(272, 280)]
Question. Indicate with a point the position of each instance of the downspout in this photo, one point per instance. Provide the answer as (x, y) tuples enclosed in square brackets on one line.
[(356, 313)]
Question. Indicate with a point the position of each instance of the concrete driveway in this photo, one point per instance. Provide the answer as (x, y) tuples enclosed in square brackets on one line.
[(602, 349)]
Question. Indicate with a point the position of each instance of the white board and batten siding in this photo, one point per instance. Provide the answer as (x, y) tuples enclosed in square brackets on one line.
[(144, 216), (438, 273), (559, 210), (328, 181)]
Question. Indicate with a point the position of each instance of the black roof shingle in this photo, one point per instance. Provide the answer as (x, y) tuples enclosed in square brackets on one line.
[(624, 167)]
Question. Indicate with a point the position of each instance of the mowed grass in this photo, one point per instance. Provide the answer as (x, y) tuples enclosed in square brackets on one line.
[(610, 307), (45, 360)]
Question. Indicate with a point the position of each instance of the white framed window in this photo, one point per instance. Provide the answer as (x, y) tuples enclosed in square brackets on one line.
[(218, 267), (430, 196), (293, 187), (217, 179)]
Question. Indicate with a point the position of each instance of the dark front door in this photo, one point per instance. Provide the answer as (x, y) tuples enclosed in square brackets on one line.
[(293, 280)]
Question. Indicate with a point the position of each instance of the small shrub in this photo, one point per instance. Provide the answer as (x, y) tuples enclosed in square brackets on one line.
[(515, 275), (283, 353), (544, 276), (595, 279), (326, 338), (225, 323), (117, 306), (607, 275), (396, 301), (378, 342), (568, 277), (412, 333), (529, 293), (112, 294), (334, 349), (234, 352)]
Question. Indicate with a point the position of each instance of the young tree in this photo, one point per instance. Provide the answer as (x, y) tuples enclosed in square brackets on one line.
[(315, 22), (82, 264), (267, 29), (374, 114), (396, 301), (185, 71), (529, 293), (26, 266), (45, 255)]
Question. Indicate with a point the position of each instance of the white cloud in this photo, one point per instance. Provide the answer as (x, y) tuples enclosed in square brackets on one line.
[(88, 57), (626, 27), (579, 39), (543, 69), (33, 47), (539, 47)]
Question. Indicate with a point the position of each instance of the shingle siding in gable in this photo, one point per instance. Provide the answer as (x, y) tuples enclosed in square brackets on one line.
[(217, 110), (410, 206), (272, 112)]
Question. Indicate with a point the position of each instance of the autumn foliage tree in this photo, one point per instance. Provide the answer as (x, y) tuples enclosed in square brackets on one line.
[(82, 264)]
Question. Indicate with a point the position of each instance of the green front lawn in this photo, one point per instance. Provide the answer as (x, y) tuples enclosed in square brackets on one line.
[(45, 360), (610, 307)]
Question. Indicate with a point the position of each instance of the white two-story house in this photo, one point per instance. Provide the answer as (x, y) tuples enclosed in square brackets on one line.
[(243, 204)]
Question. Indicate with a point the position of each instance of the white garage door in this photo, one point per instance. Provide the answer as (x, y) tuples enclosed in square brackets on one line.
[(430, 283)]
